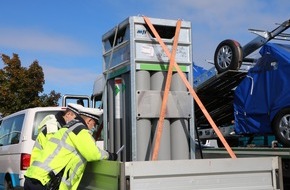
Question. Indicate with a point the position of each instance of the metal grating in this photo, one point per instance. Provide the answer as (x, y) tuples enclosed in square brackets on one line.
[(217, 95)]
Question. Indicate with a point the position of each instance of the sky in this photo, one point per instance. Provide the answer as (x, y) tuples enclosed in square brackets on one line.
[(65, 36)]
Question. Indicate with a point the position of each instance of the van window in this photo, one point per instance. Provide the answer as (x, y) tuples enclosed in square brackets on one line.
[(10, 130), (39, 116)]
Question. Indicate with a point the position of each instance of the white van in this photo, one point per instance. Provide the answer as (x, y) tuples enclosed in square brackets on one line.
[(18, 132)]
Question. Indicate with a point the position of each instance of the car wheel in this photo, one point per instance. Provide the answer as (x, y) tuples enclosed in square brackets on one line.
[(228, 56), (281, 127), (8, 185)]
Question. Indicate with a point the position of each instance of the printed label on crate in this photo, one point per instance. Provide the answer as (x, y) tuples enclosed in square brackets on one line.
[(147, 50)]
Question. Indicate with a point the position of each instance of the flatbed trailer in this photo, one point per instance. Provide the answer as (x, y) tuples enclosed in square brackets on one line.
[(261, 173), (245, 152), (136, 60)]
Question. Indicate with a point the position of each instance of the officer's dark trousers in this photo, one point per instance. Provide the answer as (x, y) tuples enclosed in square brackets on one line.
[(33, 184)]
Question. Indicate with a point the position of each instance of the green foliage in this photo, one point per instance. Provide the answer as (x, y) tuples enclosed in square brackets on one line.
[(21, 88)]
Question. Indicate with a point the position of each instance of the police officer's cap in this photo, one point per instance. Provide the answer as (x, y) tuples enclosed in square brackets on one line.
[(93, 113), (74, 107)]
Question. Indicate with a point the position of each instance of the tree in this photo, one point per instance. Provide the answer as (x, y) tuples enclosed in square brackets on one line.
[(21, 88)]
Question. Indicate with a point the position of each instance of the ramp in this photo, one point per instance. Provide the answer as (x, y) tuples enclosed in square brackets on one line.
[(217, 95)]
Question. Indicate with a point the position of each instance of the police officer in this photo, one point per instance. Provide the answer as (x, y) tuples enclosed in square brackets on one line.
[(67, 150), (52, 123)]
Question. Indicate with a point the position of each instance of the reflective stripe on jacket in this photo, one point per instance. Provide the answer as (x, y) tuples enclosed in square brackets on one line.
[(47, 127), (65, 149)]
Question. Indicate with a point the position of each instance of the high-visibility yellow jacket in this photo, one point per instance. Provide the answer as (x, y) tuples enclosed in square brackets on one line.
[(68, 148), (47, 127)]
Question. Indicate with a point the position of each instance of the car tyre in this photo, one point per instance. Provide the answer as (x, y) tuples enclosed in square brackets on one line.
[(8, 185), (228, 56), (281, 127)]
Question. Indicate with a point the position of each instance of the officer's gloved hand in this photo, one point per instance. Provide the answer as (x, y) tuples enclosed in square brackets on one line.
[(112, 156)]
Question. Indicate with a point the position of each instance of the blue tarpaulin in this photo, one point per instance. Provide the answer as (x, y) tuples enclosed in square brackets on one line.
[(264, 91), (200, 74), (197, 70)]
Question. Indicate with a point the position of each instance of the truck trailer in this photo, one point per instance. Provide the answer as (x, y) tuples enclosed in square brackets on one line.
[(148, 102)]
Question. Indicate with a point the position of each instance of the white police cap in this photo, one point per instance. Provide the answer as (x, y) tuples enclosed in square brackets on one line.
[(74, 107), (93, 113)]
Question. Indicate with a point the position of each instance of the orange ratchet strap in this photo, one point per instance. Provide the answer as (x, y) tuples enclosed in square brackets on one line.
[(187, 84), (166, 92)]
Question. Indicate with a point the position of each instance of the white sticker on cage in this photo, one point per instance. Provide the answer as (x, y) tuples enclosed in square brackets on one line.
[(148, 50)]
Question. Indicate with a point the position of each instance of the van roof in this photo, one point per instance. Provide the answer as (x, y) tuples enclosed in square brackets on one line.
[(36, 109)]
